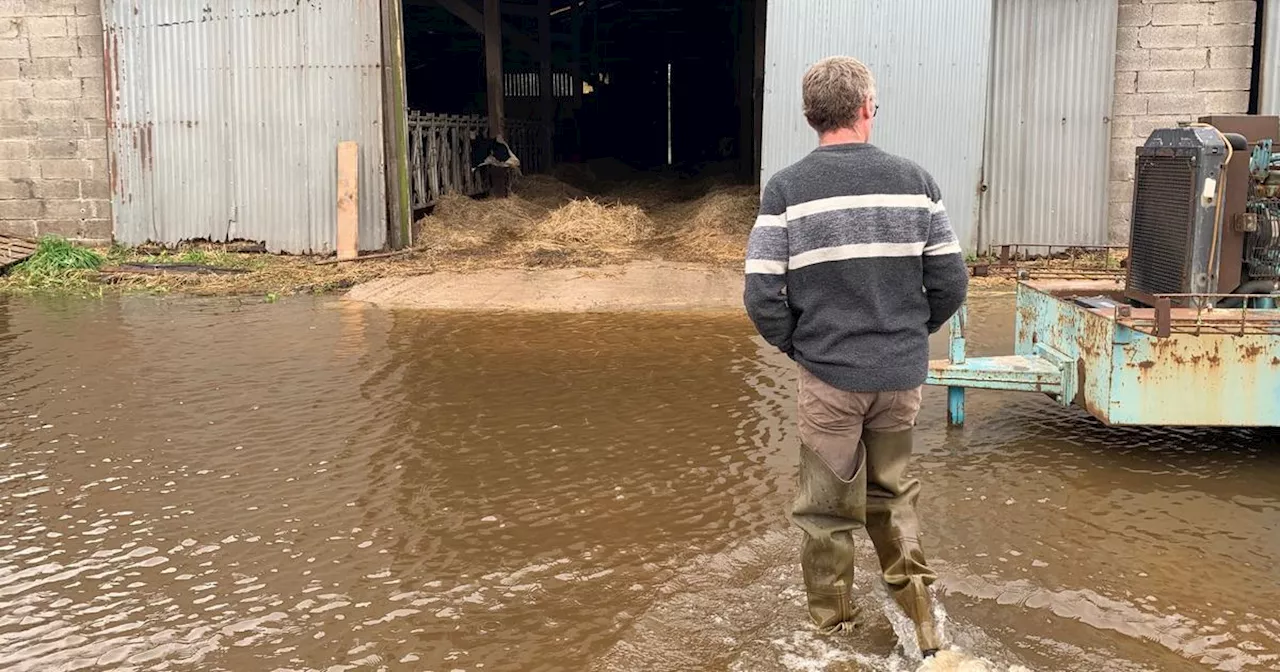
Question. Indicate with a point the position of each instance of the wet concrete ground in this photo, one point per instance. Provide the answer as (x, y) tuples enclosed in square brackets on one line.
[(312, 485)]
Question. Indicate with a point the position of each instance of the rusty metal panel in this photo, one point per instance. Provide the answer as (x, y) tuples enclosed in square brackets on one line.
[(1198, 380), (1078, 334), (931, 65), (1049, 129), (225, 116), (1214, 368)]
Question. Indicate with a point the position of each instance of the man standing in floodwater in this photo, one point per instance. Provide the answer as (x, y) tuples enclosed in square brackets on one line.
[(852, 264)]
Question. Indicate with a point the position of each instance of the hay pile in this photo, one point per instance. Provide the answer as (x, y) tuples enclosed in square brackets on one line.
[(585, 222), (547, 191), (585, 233), (715, 227), (521, 231), (549, 222), (464, 225)]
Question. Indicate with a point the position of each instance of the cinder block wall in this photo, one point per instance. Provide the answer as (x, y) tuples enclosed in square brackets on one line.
[(53, 150), (1176, 60)]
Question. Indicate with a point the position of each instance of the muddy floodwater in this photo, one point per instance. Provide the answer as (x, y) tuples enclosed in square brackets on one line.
[(317, 485)]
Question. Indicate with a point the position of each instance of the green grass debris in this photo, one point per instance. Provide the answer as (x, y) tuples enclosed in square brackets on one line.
[(57, 264)]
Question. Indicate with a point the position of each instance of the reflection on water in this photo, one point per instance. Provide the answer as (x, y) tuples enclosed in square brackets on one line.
[(315, 485)]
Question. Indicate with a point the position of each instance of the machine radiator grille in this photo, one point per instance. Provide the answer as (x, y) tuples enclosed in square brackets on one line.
[(1164, 194)]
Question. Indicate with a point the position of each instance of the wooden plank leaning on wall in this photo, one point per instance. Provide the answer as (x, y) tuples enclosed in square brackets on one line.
[(348, 201)]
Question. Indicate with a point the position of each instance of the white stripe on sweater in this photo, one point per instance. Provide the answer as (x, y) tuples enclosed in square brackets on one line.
[(860, 202), (771, 220), (942, 249), (858, 251), (766, 267)]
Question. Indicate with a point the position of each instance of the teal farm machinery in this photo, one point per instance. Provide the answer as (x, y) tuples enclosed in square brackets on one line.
[(1190, 334)]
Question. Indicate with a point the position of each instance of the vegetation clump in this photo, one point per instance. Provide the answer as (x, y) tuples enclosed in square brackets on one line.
[(58, 264)]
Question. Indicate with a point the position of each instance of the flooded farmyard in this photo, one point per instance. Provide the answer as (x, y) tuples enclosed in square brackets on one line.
[(320, 485)]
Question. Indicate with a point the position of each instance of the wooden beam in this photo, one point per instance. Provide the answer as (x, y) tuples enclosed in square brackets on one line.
[(744, 62), (576, 59), (348, 200), (757, 105), (493, 67), (473, 17), (377, 255), (464, 11), (546, 92), (593, 59), (517, 9), (499, 178), (396, 127)]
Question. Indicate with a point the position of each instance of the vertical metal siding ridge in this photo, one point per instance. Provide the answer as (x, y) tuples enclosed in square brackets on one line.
[(1049, 134), (931, 65), (226, 115), (1269, 101)]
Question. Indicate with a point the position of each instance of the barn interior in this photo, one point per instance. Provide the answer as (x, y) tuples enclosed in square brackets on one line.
[(609, 105)]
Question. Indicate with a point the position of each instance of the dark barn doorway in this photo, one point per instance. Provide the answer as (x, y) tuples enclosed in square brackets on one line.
[(653, 85)]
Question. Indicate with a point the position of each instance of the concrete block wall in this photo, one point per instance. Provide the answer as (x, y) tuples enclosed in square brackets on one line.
[(1176, 60), (54, 175)]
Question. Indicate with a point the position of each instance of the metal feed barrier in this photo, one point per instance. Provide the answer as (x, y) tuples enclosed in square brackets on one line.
[(440, 154)]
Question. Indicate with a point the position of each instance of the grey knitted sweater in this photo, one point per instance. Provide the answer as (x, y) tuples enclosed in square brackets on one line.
[(852, 263)]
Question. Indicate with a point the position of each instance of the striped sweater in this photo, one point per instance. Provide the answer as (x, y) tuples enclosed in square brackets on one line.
[(852, 263)]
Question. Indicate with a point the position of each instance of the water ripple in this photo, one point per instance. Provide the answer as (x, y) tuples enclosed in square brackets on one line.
[(313, 485)]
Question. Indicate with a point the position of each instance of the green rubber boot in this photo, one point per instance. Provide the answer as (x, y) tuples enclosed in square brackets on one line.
[(895, 531), (829, 510)]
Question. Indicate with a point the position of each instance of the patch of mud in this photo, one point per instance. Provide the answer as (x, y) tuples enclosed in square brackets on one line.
[(635, 287)]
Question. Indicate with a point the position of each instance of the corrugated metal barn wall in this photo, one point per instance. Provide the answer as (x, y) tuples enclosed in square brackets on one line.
[(1049, 130), (1269, 101), (225, 117), (1011, 94), (931, 64)]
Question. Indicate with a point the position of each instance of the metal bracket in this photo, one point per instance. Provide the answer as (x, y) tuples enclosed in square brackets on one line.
[(1046, 371), (956, 355), (1066, 369)]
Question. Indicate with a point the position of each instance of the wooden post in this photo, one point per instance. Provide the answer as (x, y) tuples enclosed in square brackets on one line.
[(348, 200), (757, 107), (576, 40), (593, 11), (744, 63), (576, 62), (546, 88), (493, 65), (396, 127), (498, 177)]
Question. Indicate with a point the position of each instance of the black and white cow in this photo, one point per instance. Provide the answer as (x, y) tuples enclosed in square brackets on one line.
[(486, 151)]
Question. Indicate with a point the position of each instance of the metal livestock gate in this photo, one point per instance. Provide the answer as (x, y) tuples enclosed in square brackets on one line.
[(997, 99), (440, 154), (224, 118)]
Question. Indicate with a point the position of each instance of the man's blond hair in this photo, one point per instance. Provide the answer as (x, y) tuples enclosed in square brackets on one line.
[(834, 89)]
